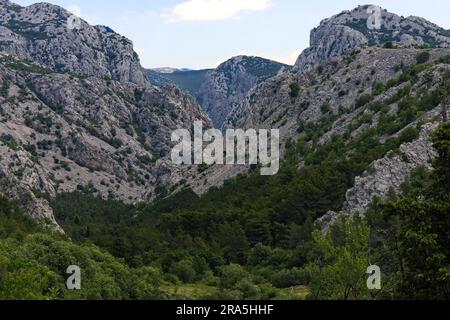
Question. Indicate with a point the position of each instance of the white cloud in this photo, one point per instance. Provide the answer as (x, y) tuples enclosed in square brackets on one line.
[(215, 10)]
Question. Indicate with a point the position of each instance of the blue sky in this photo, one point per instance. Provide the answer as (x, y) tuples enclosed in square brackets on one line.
[(203, 33)]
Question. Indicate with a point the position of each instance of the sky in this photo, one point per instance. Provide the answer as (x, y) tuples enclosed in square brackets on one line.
[(198, 34)]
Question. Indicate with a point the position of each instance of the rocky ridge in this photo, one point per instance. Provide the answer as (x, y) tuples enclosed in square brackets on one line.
[(46, 35), (76, 113), (349, 95), (227, 85), (367, 26)]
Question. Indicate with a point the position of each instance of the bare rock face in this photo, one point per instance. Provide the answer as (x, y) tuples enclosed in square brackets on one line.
[(390, 172), (60, 133), (76, 111), (25, 191), (225, 87), (358, 28), (52, 37), (387, 174)]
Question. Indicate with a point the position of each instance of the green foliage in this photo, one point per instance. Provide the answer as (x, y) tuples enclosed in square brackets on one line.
[(33, 265), (340, 270), (184, 270), (441, 175), (254, 237), (23, 65), (378, 88), (9, 141), (444, 59), (388, 45), (423, 57), (325, 108), (294, 90), (91, 217), (13, 224), (5, 87), (413, 231), (363, 100)]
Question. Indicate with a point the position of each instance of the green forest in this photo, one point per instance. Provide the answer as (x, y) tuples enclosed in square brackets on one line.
[(253, 238)]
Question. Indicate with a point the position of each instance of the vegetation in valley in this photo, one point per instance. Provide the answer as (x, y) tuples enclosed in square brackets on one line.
[(261, 242)]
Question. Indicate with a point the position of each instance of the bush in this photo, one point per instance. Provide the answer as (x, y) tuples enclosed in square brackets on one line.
[(184, 270), (290, 278), (363, 100), (378, 88), (325, 108), (388, 45), (423, 57), (231, 275), (295, 90), (409, 135)]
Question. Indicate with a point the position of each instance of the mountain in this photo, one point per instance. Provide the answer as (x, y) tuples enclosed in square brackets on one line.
[(342, 33), (157, 78), (219, 90), (373, 94), (224, 87), (42, 33), (85, 150), (189, 80), (76, 112), (347, 84)]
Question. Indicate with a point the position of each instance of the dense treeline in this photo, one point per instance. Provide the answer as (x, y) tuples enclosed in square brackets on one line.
[(33, 262)]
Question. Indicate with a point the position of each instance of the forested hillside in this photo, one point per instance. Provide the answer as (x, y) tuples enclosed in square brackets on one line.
[(256, 242)]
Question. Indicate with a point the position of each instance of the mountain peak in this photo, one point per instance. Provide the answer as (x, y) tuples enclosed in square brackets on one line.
[(367, 26), (52, 37), (227, 85)]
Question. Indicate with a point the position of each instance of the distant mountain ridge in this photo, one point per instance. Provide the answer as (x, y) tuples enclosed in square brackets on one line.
[(219, 90), (186, 79)]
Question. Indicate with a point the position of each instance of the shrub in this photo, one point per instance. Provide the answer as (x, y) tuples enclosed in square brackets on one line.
[(388, 45), (363, 100), (9, 141), (184, 270), (290, 278), (295, 90), (423, 57), (378, 88), (325, 108)]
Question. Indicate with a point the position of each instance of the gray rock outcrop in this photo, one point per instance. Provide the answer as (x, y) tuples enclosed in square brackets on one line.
[(358, 28), (227, 85), (43, 34)]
